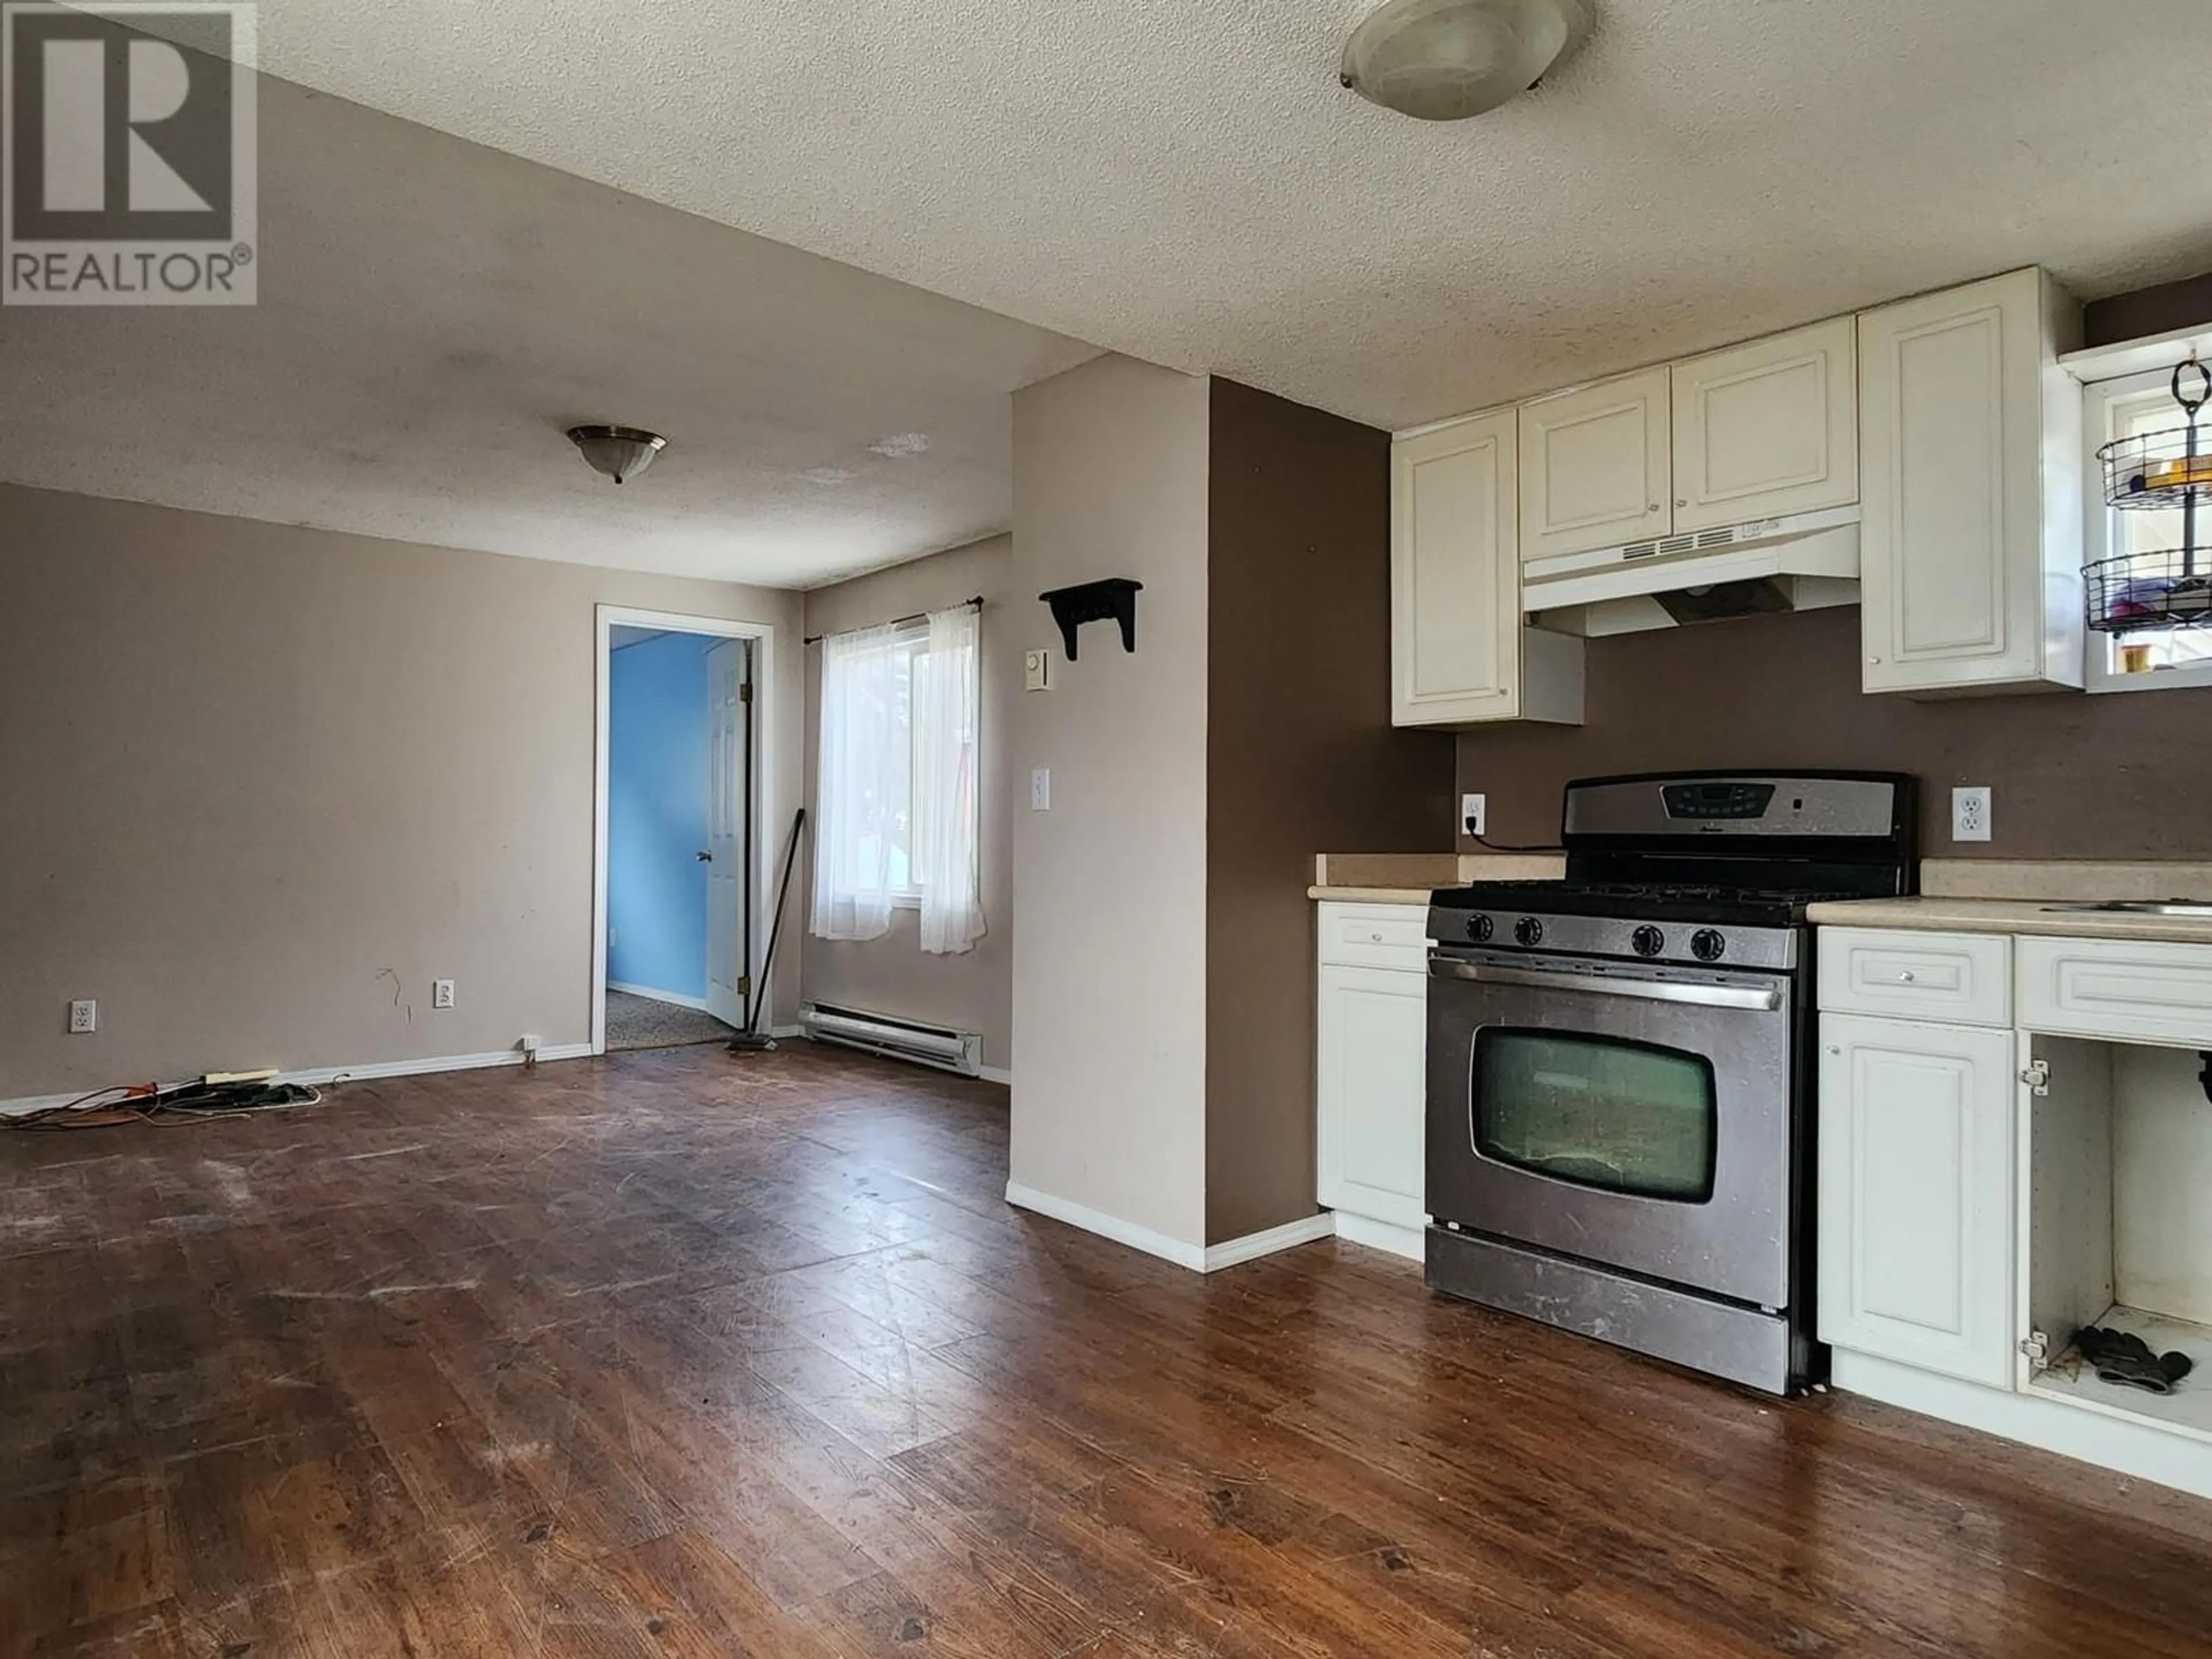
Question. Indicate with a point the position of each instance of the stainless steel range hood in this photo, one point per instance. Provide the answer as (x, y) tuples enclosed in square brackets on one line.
[(1798, 563)]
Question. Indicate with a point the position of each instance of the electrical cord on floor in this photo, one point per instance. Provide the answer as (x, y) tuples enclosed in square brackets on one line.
[(148, 1103)]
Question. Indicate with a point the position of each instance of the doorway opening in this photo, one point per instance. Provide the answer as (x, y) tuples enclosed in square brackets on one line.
[(680, 735)]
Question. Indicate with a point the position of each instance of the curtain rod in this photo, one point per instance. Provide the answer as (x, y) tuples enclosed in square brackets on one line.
[(975, 604)]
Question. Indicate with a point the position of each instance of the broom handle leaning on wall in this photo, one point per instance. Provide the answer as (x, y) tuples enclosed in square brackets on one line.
[(776, 928)]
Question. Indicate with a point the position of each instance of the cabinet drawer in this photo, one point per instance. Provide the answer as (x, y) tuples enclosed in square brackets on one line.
[(1953, 979), (2097, 987), (1376, 936)]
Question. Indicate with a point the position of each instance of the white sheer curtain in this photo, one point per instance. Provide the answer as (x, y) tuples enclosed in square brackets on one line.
[(862, 783), (946, 716)]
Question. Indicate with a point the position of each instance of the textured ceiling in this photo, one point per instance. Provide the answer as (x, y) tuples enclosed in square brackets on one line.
[(1184, 181), (433, 314)]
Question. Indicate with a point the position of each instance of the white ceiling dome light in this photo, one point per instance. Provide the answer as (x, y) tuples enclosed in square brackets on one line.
[(1445, 60), (620, 451)]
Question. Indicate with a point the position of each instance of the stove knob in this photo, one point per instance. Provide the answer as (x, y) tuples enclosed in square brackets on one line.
[(1706, 944), (1528, 931), (1480, 928), (1647, 941)]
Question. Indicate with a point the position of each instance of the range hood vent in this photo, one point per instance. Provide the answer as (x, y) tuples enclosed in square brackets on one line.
[(1802, 563)]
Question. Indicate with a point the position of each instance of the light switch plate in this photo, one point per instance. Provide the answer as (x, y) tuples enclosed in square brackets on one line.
[(1041, 789), (441, 993), (1036, 670)]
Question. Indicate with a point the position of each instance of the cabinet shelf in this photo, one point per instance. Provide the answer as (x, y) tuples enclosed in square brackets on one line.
[(2187, 1410)]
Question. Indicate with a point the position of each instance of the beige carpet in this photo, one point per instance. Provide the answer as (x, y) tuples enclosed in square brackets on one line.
[(636, 1022)]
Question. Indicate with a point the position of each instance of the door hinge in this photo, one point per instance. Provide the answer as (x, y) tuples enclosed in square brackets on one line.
[(745, 692), (745, 985), (2036, 1344), (2037, 1076)]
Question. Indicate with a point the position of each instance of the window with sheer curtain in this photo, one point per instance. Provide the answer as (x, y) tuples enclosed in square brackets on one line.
[(896, 781)]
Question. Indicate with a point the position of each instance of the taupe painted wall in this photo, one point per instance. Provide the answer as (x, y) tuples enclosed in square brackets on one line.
[(1301, 757), (1109, 1109), (263, 784), (2113, 776), (972, 992)]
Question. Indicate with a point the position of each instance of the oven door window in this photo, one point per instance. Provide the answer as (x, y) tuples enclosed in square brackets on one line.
[(1597, 1111)]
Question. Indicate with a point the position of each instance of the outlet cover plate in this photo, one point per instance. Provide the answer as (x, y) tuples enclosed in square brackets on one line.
[(441, 993), (1970, 813), (84, 1017), (1474, 814)]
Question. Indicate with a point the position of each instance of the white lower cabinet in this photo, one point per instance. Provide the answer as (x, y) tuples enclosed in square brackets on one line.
[(1915, 1194), (1370, 1087)]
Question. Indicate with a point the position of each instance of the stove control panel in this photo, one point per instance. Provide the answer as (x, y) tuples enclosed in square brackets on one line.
[(1769, 948)]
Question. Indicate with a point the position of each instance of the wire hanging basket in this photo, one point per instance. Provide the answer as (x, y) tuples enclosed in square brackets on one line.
[(2158, 472)]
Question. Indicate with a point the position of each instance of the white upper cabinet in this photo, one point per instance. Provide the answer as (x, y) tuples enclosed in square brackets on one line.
[(1767, 430), (1459, 651), (1971, 464), (1595, 468)]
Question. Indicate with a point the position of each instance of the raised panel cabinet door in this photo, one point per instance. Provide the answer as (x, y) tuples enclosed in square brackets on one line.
[(1915, 1194), (1455, 587), (1969, 574), (1371, 1093), (1767, 430), (1594, 467)]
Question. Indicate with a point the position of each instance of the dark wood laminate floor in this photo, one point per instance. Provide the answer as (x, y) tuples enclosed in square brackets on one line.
[(684, 1354)]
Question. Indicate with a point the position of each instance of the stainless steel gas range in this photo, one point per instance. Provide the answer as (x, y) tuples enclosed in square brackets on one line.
[(1619, 1064)]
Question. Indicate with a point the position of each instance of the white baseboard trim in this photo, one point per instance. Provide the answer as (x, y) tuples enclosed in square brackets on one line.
[(1192, 1257), (999, 1074), (780, 1032), (675, 998), (317, 1077), (1253, 1246), (2110, 1443), (1386, 1235)]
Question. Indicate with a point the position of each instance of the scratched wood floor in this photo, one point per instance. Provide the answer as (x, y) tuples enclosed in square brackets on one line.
[(684, 1354)]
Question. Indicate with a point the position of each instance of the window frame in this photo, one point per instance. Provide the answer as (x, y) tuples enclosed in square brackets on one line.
[(2101, 400)]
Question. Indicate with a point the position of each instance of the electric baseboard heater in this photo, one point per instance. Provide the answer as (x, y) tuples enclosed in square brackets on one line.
[(898, 1039)]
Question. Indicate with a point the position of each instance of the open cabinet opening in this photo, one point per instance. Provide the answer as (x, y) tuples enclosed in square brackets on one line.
[(2118, 1226)]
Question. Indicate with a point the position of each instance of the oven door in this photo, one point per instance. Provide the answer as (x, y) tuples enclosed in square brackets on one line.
[(1631, 1116)]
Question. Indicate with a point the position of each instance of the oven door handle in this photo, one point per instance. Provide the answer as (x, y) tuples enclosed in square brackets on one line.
[(1763, 999)]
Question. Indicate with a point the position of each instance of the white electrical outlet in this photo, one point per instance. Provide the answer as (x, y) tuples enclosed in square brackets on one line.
[(1041, 789), (1970, 813), (529, 1045), (1036, 670), (1474, 814), (84, 1017), (441, 993)]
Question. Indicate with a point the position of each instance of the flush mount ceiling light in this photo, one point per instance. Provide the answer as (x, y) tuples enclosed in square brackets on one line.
[(620, 451), (1445, 60)]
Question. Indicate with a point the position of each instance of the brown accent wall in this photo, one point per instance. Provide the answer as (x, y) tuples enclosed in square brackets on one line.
[(2113, 776), (2148, 311), (1300, 757)]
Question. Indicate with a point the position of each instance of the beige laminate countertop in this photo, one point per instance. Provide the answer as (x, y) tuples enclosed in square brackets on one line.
[(1410, 877), (2016, 916)]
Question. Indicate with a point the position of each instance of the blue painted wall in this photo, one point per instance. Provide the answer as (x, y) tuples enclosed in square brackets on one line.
[(657, 813)]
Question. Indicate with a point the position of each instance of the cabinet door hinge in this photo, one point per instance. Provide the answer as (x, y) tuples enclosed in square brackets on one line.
[(745, 692), (2037, 1076), (745, 985), (2036, 1344)]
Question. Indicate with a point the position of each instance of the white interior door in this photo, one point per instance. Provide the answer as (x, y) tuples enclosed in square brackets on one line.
[(728, 810)]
